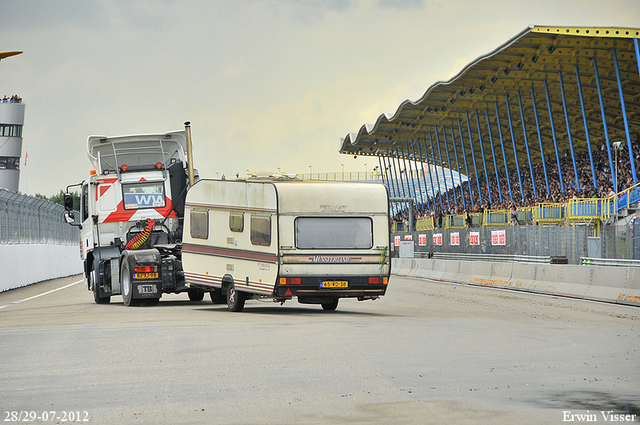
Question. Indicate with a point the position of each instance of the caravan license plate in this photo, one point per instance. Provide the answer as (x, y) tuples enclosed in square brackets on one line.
[(145, 276), (334, 284)]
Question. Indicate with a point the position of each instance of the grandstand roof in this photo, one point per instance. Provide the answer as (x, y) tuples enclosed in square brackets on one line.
[(515, 70)]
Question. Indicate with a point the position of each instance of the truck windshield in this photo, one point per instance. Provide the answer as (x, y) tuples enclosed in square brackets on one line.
[(334, 233), (143, 195)]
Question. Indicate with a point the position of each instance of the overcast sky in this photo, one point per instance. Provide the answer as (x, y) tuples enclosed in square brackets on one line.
[(266, 84)]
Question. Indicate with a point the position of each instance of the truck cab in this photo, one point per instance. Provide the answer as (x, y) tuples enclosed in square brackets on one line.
[(131, 216)]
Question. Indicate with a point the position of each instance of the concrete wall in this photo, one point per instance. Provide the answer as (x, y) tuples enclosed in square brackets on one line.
[(22, 265), (602, 283)]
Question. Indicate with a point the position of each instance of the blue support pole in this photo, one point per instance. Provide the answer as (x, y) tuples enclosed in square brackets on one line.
[(412, 185), (604, 125), (453, 183), (513, 141), (473, 156), (408, 176), (399, 172), (466, 168), (586, 127), (504, 155), (624, 118), (553, 134), (390, 178), (544, 162), (493, 154), (486, 173), (635, 44), (566, 118), (435, 168), (413, 152), (426, 192), (426, 155), (526, 143), (444, 177), (382, 171), (455, 152)]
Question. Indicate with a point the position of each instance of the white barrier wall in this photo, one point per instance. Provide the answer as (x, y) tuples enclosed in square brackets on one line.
[(25, 264), (602, 283)]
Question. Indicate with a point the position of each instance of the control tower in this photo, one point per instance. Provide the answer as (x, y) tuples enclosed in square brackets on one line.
[(11, 121)]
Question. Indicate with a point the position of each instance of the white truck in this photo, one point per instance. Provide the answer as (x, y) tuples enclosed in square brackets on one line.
[(317, 241), (131, 213), (243, 239)]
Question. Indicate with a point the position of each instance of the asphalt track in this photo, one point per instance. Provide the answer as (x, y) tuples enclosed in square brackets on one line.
[(426, 353)]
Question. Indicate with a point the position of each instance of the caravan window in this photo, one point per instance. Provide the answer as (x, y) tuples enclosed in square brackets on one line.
[(334, 233), (236, 222), (261, 230), (143, 195), (199, 224)]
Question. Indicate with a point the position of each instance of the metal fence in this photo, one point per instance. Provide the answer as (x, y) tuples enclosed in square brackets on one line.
[(619, 241), (29, 220)]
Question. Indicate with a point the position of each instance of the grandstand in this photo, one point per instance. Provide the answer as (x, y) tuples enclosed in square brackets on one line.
[(547, 124)]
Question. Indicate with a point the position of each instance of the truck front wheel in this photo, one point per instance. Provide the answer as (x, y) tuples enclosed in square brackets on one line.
[(95, 286), (235, 299)]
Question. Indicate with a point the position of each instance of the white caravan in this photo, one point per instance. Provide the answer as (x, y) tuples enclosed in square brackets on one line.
[(317, 241)]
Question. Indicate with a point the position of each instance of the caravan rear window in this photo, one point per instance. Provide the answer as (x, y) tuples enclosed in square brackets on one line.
[(334, 233), (143, 195)]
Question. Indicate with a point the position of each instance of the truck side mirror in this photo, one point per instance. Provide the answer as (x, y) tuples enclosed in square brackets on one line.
[(69, 217), (68, 202)]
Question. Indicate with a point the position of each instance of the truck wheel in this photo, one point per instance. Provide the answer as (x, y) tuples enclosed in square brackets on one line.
[(215, 295), (331, 305), (235, 299), (195, 294), (96, 289), (127, 286)]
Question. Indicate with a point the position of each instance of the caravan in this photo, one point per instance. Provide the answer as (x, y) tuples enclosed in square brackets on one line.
[(279, 239)]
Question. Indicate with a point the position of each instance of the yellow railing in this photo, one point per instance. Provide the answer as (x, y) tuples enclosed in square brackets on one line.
[(454, 221), (548, 213), (496, 218), (425, 223)]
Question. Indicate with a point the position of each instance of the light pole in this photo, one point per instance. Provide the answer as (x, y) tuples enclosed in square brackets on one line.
[(365, 170), (342, 165), (309, 172)]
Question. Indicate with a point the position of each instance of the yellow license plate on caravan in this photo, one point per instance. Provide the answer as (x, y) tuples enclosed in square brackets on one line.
[(334, 284)]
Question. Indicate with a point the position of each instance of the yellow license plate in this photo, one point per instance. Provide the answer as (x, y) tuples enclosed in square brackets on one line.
[(145, 276), (334, 284)]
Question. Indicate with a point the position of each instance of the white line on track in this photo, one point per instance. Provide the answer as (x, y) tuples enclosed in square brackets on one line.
[(39, 295)]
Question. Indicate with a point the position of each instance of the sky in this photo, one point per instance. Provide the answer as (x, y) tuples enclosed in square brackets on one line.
[(267, 85)]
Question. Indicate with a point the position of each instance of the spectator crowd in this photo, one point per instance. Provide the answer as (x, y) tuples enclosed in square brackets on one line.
[(13, 99), (451, 203)]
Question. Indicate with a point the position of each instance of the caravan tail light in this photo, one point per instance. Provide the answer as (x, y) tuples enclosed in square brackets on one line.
[(159, 165), (378, 280), (290, 281), (124, 167)]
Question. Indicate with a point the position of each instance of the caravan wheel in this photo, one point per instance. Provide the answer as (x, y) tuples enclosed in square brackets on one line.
[(195, 294), (235, 299), (215, 295), (331, 305)]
